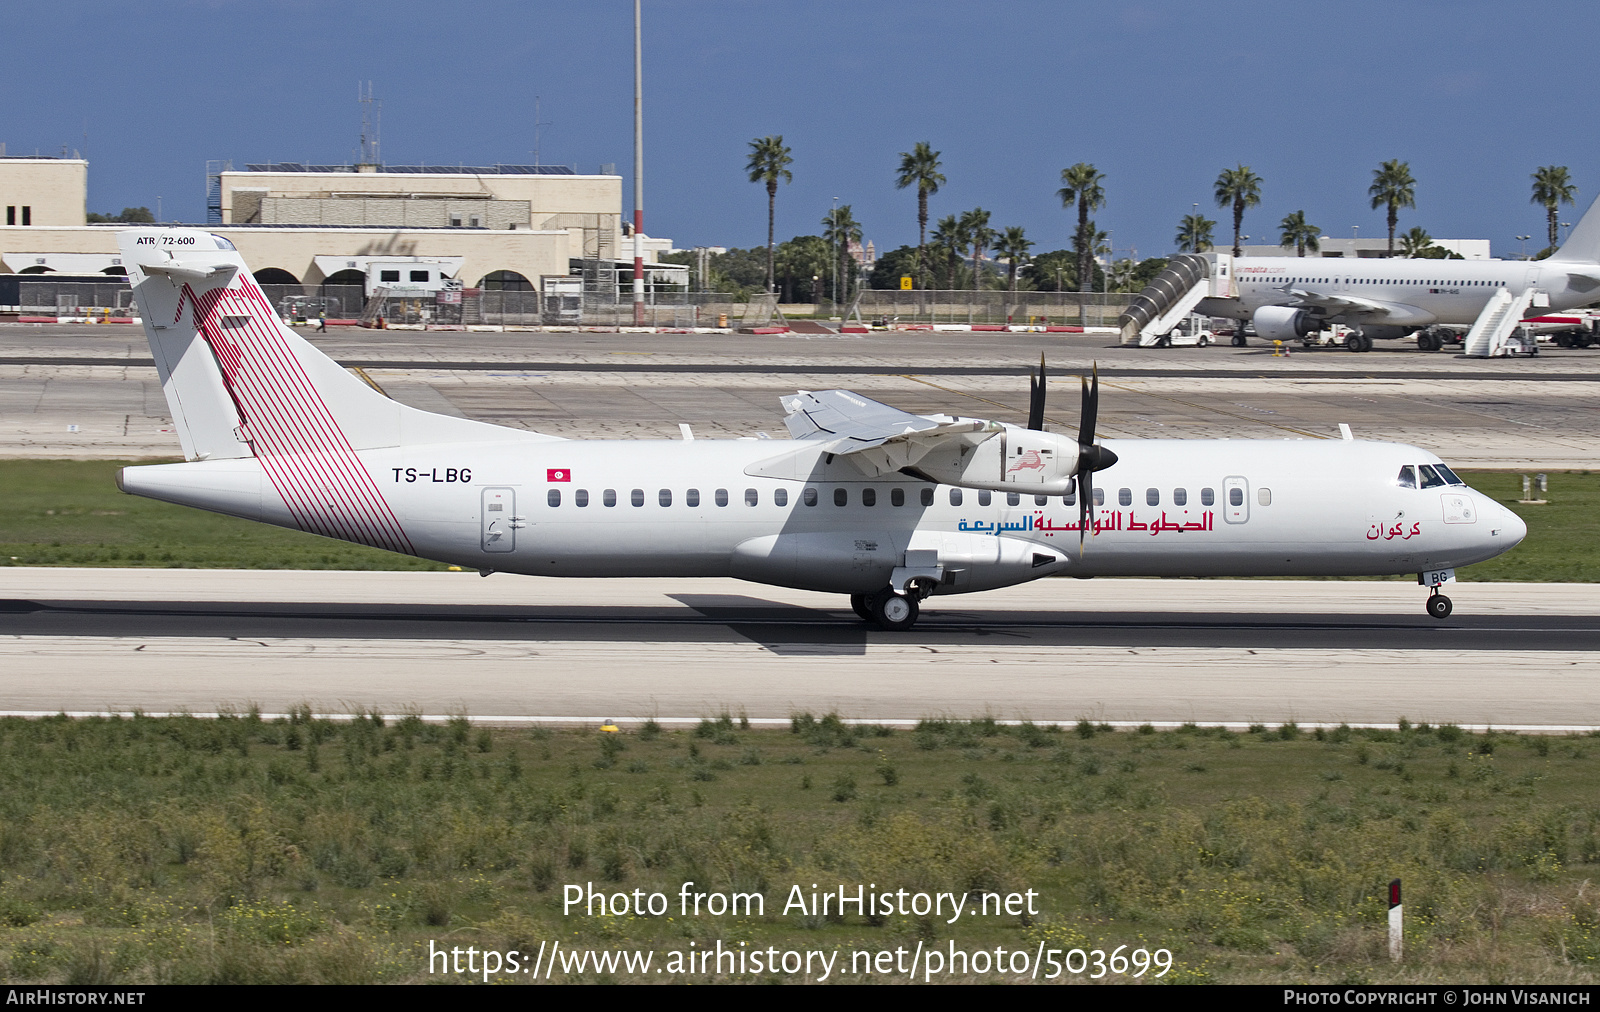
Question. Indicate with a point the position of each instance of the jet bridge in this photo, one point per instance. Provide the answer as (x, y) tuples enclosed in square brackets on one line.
[(1174, 293)]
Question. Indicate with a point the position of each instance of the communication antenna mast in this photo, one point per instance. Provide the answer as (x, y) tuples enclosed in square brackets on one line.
[(371, 120), (538, 122)]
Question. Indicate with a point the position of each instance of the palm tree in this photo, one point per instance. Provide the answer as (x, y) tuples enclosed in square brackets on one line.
[(976, 224), (950, 235), (1393, 187), (1194, 233), (1414, 242), (1013, 245), (1552, 186), (1241, 188), (1300, 234), (841, 229), (769, 161), (919, 167), (1080, 184), (1121, 275)]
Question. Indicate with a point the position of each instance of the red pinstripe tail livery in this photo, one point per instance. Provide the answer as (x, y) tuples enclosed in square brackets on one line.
[(274, 429)]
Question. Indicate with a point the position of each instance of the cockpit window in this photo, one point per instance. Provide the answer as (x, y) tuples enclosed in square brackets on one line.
[(1407, 478), (1449, 475), (1430, 477)]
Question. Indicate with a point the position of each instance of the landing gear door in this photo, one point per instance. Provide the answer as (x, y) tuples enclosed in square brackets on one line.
[(500, 521), (1235, 500)]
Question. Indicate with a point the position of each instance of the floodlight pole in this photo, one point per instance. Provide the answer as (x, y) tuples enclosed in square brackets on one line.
[(638, 170)]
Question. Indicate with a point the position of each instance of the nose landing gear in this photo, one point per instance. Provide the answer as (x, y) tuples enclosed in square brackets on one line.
[(1439, 606)]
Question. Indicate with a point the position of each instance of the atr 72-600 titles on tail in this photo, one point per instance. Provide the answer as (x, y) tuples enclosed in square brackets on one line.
[(866, 500)]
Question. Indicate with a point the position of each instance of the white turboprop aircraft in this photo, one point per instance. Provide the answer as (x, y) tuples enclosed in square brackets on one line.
[(1289, 298), (885, 506)]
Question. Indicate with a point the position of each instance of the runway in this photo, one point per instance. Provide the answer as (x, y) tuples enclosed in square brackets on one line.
[(1117, 650)]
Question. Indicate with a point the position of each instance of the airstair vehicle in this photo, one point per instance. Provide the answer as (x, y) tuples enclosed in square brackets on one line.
[(1173, 294), (1498, 331)]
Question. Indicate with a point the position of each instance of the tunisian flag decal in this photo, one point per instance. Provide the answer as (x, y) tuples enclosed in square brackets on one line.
[(558, 474)]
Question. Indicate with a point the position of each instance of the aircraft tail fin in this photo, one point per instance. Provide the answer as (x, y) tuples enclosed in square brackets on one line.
[(239, 382), (1583, 242)]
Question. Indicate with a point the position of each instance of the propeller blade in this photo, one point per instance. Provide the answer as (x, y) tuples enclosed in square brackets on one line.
[(1091, 407), (1036, 397), (1091, 458)]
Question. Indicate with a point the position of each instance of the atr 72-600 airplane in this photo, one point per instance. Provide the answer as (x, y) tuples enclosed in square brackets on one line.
[(866, 500), (1288, 298)]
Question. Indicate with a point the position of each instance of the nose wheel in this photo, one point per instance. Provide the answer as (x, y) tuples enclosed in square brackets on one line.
[(1439, 606)]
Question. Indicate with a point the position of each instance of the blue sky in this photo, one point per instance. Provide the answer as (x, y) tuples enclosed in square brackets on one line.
[(1160, 96)]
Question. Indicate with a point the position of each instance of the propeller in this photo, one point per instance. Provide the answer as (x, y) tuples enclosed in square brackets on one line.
[(1036, 397), (1091, 458)]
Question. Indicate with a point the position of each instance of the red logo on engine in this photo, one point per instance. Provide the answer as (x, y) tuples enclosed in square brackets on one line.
[(1028, 461)]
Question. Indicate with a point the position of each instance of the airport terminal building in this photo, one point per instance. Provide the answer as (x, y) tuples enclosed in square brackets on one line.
[(405, 230)]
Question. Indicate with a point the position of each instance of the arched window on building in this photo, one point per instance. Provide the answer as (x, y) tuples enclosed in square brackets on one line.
[(505, 281)]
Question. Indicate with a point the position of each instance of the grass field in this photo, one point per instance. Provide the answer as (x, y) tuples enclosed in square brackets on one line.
[(69, 513), (241, 850)]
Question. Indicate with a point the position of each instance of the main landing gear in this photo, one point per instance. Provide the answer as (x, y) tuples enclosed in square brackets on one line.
[(889, 611), (1439, 606)]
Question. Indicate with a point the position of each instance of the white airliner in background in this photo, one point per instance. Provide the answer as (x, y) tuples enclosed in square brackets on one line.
[(866, 500), (1288, 298)]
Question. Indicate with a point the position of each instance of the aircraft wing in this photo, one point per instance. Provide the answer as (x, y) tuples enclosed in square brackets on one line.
[(878, 438), (1370, 310)]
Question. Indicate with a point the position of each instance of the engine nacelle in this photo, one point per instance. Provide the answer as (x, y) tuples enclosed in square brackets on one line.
[(1283, 323), (1012, 460)]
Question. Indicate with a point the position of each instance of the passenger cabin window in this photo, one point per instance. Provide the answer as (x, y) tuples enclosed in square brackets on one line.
[(1407, 477), (897, 497), (636, 497), (721, 497), (841, 497), (1208, 497), (1070, 499), (553, 497), (1152, 497), (609, 497), (1041, 500), (1099, 497), (780, 496), (1264, 496), (691, 497), (664, 497), (809, 497), (927, 497), (1430, 477), (752, 497), (1235, 497), (869, 497), (1180, 497), (955, 497), (985, 497), (1012, 498), (580, 497), (1125, 496)]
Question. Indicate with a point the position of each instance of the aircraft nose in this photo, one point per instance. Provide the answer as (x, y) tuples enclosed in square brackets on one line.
[(1512, 529)]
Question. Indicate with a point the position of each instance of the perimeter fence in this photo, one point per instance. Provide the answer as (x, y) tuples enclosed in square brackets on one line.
[(891, 306)]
